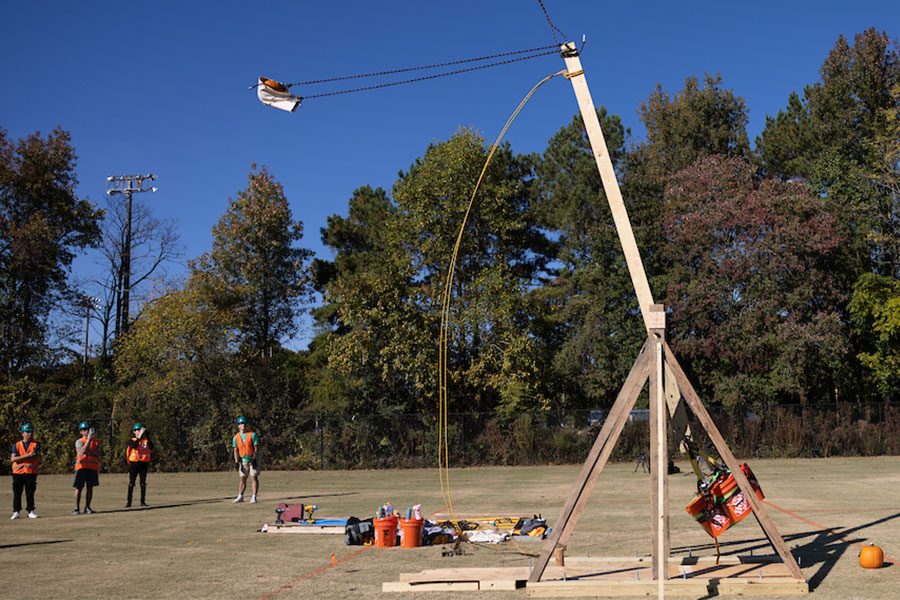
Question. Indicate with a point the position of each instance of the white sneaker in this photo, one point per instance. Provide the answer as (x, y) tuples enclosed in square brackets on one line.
[(32, 515), (238, 499), (15, 515), (253, 500)]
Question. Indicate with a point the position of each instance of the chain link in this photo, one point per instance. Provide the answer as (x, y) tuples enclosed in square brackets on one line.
[(423, 67), (553, 28), (456, 72)]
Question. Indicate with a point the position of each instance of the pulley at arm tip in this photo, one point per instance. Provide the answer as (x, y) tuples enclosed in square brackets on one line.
[(569, 50)]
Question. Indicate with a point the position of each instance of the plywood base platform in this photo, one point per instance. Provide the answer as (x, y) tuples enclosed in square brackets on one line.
[(697, 577), (304, 528)]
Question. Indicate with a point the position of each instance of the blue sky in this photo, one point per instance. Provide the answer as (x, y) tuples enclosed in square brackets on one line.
[(161, 87)]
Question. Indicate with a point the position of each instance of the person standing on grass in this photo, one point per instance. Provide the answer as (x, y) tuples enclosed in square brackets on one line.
[(138, 457), (87, 465), (245, 445), (24, 471)]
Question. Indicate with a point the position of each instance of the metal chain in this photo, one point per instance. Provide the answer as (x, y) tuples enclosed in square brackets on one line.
[(384, 85), (435, 66), (553, 28)]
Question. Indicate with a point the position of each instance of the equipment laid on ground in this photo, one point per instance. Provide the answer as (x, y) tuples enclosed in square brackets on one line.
[(308, 527), (298, 518), (359, 532), (294, 513)]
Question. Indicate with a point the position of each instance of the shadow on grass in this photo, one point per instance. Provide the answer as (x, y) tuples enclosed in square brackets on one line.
[(822, 547), (607, 572), (335, 495), (5, 546), (216, 501), (164, 506), (828, 546)]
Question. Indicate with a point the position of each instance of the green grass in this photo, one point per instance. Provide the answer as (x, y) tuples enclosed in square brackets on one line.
[(193, 543)]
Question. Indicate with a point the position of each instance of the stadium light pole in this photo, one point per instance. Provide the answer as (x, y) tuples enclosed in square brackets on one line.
[(89, 303), (128, 185)]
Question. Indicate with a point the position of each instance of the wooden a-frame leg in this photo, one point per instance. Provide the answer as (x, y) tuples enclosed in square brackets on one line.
[(765, 521), (596, 460), (659, 463)]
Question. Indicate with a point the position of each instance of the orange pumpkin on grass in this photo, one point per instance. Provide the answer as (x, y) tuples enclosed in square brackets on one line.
[(871, 557)]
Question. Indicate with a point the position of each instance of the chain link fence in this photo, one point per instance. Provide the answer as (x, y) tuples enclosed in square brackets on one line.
[(527, 438)]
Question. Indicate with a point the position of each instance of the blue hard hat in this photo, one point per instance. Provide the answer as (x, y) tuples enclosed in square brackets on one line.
[(27, 427), (137, 426), (84, 425), (241, 419)]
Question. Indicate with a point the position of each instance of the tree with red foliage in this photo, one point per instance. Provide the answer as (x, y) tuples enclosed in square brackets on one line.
[(754, 310)]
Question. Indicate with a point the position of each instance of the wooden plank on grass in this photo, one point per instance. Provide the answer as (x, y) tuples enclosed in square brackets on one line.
[(730, 559), (465, 574), (473, 574), (615, 589), (498, 585), (307, 529), (758, 587), (450, 586), (695, 588), (447, 586)]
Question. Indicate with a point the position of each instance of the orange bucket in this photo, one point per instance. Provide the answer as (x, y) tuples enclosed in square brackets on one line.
[(715, 521), (738, 507), (710, 516), (411, 532), (385, 532), (697, 506)]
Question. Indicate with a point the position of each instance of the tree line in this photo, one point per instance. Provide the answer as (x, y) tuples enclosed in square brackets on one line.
[(779, 264)]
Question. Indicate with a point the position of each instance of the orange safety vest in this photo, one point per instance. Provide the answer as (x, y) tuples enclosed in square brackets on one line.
[(245, 446), (141, 453), (26, 466), (89, 459)]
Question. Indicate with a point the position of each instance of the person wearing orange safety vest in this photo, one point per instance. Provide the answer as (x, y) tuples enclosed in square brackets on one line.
[(246, 459), (87, 466), (24, 471), (138, 460)]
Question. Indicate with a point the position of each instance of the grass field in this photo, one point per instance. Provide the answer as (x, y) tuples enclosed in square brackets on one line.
[(193, 543)]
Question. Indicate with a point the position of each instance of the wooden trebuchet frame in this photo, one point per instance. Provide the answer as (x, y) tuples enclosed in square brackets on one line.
[(668, 384)]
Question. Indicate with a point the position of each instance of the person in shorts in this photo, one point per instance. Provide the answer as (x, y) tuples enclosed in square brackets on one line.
[(24, 471), (87, 466), (245, 445)]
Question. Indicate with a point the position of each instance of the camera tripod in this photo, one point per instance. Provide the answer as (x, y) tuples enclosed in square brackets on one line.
[(642, 464)]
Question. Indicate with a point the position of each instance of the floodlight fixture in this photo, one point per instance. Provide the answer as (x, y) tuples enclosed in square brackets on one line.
[(127, 185)]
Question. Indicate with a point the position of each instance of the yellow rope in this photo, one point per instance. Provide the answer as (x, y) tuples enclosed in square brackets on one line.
[(443, 434)]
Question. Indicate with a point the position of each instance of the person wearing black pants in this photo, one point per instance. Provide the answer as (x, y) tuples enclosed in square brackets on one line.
[(25, 468), (139, 448)]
